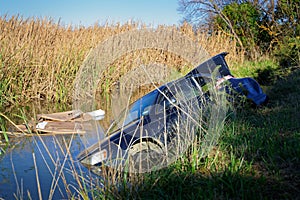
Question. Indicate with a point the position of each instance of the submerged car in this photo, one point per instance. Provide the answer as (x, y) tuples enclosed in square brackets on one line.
[(157, 128)]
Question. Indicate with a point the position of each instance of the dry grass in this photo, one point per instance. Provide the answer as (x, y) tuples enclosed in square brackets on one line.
[(39, 59)]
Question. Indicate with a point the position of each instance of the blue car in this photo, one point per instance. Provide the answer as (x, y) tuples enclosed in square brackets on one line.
[(157, 128)]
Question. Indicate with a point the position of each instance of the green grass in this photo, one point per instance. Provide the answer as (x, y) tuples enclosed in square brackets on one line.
[(257, 157)]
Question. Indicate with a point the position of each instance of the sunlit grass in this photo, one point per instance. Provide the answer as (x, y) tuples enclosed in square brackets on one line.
[(257, 155)]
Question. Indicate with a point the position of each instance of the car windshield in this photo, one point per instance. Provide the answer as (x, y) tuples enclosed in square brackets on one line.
[(135, 111)]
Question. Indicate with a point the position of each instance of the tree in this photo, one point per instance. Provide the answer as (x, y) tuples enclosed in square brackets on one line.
[(201, 13), (287, 27), (258, 25), (245, 20), (240, 18)]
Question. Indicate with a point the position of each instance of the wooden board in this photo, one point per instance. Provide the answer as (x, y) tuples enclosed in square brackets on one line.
[(73, 115), (61, 116), (53, 127), (61, 123), (60, 127)]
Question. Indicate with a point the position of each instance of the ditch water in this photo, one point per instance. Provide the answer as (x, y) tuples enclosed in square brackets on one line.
[(46, 164)]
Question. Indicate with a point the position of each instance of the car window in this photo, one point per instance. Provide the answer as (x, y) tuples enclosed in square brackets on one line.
[(166, 99), (135, 111), (187, 90), (200, 80), (177, 92)]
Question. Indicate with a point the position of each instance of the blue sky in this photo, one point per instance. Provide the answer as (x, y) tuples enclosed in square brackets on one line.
[(80, 12)]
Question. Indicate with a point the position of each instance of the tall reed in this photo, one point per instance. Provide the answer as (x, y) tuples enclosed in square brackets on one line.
[(39, 58)]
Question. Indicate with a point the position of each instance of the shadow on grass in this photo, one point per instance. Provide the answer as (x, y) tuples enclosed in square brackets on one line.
[(260, 155), (172, 184), (270, 74), (269, 137)]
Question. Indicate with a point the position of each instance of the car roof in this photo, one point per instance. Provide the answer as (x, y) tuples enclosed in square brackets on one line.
[(208, 66)]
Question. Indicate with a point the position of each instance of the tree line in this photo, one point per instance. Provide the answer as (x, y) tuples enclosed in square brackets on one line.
[(260, 26)]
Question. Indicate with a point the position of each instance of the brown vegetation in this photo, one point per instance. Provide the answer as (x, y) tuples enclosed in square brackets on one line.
[(39, 59)]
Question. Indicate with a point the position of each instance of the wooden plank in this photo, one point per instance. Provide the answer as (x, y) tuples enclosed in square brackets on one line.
[(73, 115), (55, 127), (61, 123), (60, 116)]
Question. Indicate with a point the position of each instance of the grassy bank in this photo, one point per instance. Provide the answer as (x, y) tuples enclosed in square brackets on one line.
[(257, 157)]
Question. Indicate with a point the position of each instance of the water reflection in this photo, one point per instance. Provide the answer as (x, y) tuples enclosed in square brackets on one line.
[(55, 158)]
